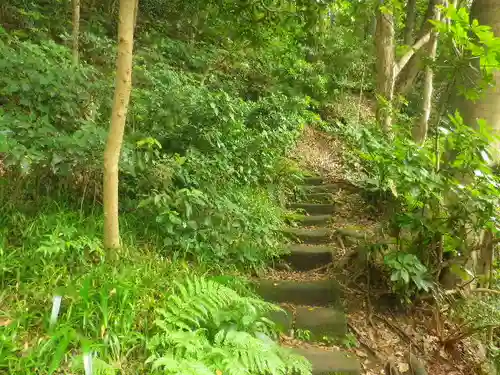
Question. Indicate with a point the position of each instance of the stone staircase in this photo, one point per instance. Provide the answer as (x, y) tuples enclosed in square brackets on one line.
[(312, 305)]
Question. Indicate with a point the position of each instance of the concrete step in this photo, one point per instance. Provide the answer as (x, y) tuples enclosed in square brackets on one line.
[(326, 362), (282, 319), (310, 293), (317, 197), (310, 235), (321, 322), (313, 180), (314, 220), (314, 208), (329, 188), (307, 257)]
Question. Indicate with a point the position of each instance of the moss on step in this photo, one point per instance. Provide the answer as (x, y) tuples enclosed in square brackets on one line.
[(321, 197), (307, 257), (321, 321), (314, 208), (326, 362), (314, 220), (316, 180), (312, 293), (311, 236)]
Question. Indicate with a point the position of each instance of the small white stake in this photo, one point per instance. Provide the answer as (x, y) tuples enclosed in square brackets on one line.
[(56, 306), (87, 363)]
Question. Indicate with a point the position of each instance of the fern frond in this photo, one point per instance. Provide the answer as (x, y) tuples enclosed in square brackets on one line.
[(198, 302), (258, 356), (212, 328), (174, 366)]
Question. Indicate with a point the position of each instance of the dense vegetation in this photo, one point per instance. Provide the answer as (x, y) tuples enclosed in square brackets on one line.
[(221, 92)]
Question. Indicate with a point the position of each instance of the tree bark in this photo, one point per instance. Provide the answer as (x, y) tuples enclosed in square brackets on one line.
[(422, 124), (408, 55), (76, 30), (123, 86), (387, 68), (411, 15), (487, 107), (407, 77), (384, 46)]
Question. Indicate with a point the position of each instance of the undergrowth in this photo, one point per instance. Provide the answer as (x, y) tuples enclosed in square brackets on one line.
[(135, 313)]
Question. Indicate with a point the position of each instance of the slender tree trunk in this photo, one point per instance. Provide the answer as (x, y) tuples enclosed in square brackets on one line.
[(411, 15), (407, 78), (422, 124), (76, 30), (384, 46), (123, 86), (387, 68)]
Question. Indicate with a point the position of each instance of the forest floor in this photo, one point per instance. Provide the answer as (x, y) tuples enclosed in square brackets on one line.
[(383, 329)]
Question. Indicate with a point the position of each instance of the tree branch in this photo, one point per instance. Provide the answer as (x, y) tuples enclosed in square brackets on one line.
[(408, 55)]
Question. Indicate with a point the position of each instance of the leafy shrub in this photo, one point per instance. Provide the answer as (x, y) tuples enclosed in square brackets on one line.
[(214, 200), (50, 110), (435, 194)]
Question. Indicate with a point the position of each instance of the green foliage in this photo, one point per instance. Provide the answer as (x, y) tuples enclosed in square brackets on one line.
[(207, 166), (406, 272), (439, 197), (49, 111), (117, 309), (207, 327)]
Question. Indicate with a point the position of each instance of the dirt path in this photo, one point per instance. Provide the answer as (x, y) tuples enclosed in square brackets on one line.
[(331, 317)]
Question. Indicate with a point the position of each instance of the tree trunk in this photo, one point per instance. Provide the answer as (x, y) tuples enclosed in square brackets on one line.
[(422, 124), (76, 29), (407, 78), (487, 107), (384, 46), (411, 15), (387, 68), (123, 86)]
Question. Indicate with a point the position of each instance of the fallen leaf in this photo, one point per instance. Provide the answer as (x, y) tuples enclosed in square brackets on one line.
[(218, 372)]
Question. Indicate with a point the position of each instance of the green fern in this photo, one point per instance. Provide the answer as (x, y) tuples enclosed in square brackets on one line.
[(259, 356), (199, 302), (209, 328), (231, 353), (174, 366)]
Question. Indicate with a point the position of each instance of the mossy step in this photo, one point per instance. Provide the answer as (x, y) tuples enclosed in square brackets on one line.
[(314, 220), (282, 319), (329, 188), (321, 322), (318, 197), (310, 293), (307, 257), (313, 180), (311, 235), (326, 362), (314, 208)]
